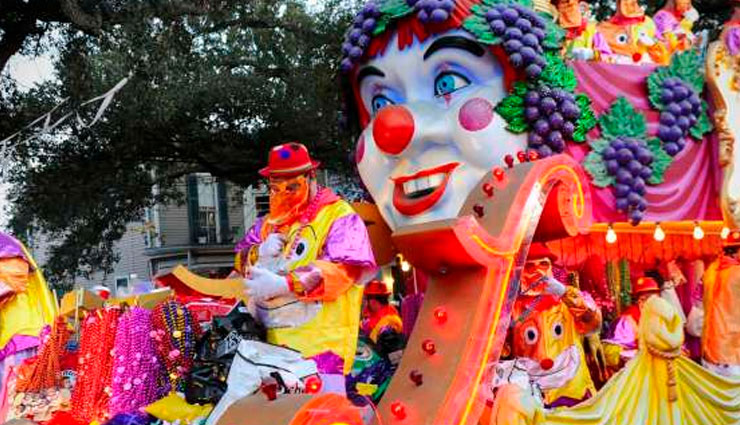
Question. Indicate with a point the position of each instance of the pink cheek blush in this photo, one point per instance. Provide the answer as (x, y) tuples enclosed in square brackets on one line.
[(360, 150), (476, 114)]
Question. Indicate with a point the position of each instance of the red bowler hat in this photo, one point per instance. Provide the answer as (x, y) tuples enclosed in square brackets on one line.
[(289, 160), (733, 239), (539, 250), (645, 284), (376, 287)]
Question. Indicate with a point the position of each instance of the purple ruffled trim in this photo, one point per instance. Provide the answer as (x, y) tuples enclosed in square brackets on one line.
[(10, 247), (17, 344), (348, 243), (329, 363), (732, 40), (252, 237), (568, 401)]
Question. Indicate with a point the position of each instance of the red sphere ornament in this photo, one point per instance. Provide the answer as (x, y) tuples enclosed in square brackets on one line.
[(509, 160), (313, 385), (478, 209), (398, 410), (488, 189), (429, 347), (416, 377), (498, 172), (393, 129), (533, 156), (440, 313), (521, 156)]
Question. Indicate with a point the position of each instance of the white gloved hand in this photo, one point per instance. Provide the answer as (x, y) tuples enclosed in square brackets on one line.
[(582, 53), (554, 287), (691, 15), (263, 284), (272, 246)]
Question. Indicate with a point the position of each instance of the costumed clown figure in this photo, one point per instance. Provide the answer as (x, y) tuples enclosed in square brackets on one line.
[(584, 42), (720, 338), (548, 321), (674, 23), (624, 339), (305, 263), (631, 36), (379, 315)]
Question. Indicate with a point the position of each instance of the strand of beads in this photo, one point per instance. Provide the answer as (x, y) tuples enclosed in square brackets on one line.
[(136, 368), (46, 370), (175, 334), (92, 389)]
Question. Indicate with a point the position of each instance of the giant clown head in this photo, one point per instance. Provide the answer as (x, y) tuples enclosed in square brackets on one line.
[(424, 79)]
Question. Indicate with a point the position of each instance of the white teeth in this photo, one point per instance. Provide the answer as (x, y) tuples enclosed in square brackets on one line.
[(423, 183)]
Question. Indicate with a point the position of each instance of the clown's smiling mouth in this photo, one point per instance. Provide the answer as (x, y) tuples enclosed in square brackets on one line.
[(418, 192)]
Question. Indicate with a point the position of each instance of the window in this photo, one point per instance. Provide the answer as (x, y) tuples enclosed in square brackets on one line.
[(121, 284), (262, 204), (207, 232)]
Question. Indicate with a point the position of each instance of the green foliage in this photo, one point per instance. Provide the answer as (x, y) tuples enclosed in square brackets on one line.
[(558, 74), (622, 120), (208, 93), (511, 109), (391, 9), (703, 124), (595, 166), (661, 161), (687, 66), (586, 121)]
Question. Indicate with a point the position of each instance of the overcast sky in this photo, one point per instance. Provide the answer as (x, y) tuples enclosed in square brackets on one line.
[(27, 71)]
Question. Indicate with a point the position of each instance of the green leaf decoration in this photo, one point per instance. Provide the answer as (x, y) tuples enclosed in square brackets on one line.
[(622, 120), (511, 109), (687, 66), (395, 8), (661, 161), (554, 36), (703, 125), (525, 3), (478, 26), (558, 74), (586, 121), (596, 168)]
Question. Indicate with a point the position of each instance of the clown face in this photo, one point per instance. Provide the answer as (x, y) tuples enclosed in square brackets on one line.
[(433, 133), (630, 9), (547, 343), (570, 13)]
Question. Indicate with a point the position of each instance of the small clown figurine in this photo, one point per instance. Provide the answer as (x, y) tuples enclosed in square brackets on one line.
[(583, 41), (379, 315), (674, 24), (305, 263), (548, 321), (625, 334)]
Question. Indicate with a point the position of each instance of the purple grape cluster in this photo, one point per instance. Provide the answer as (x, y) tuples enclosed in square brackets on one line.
[(359, 35), (552, 114), (522, 31), (680, 113), (628, 160), (432, 11)]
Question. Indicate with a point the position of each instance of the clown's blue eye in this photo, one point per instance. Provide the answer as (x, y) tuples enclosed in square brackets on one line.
[(380, 102), (448, 82)]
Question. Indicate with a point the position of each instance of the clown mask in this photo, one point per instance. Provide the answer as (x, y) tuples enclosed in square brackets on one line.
[(545, 338), (630, 9), (432, 132), (288, 197), (570, 15), (534, 271)]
